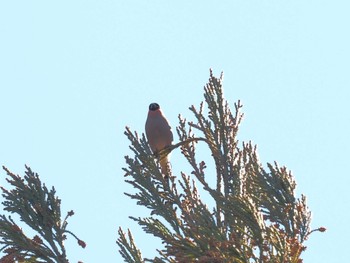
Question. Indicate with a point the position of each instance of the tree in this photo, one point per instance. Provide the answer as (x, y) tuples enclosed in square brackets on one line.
[(256, 218), (40, 209)]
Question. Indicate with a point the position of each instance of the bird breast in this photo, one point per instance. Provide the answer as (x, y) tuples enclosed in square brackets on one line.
[(158, 131)]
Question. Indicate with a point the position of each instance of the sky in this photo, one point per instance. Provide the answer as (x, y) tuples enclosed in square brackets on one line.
[(73, 74)]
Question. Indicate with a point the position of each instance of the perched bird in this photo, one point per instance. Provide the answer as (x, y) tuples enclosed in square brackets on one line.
[(159, 134)]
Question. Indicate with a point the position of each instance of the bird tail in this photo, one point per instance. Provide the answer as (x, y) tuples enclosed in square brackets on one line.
[(165, 167)]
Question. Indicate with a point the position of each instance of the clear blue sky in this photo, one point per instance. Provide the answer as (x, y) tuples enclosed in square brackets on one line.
[(73, 74)]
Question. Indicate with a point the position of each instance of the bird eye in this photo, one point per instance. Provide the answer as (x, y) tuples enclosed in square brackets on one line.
[(154, 106)]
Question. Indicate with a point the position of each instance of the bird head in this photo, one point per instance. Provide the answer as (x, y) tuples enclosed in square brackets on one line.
[(154, 106)]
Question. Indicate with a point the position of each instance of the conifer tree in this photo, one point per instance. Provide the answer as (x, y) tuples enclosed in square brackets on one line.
[(257, 216), (39, 209)]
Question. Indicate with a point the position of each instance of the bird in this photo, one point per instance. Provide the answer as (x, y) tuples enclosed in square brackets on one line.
[(159, 135)]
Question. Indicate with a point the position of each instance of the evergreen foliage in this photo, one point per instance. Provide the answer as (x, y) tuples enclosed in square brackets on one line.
[(256, 218), (40, 209)]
